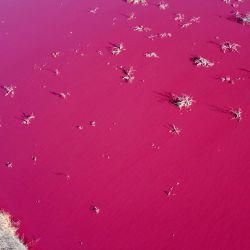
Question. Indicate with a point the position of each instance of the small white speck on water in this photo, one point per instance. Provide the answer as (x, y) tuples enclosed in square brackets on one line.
[(26, 118), (106, 156), (94, 10), (9, 164), (34, 159), (55, 54), (174, 130), (92, 123), (79, 127), (9, 90), (155, 146), (100, 52), (131, 16), (95, 209)]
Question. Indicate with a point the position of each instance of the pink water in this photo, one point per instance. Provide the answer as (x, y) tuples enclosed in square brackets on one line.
[(124, 164)]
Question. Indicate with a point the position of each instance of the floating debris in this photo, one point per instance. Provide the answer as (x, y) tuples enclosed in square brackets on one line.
[(186, 25), (170, 191), (184, 101), (55, 54), (26, 119), (163, 35), (233, 3), (9, 164), (190, 22), (94, 10), (179, 17), (142, 2), (163, 5), (92, 123), (227, 79), (244, 19), (95, 209), (117, 49), (151, 55), (131, 16), (9, 90), (79, 127), (61, 94), (57, 72), (34, 159), (141, 28), (155, 146), (152, 36), (129, 74), (160, 35), (195, 19), (174, 130), (237, 114), (107, 156), (228, 46), (200, 61)]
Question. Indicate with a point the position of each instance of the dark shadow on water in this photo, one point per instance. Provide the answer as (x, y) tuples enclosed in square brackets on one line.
[(245, 70), (165, 97), (214, 43), (219, 109)]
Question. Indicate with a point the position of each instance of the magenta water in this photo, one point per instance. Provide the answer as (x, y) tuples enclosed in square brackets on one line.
[(107, 143)]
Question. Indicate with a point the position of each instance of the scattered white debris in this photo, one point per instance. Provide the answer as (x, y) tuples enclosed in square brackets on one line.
[(179, 17), (186, 25), (141, 28), (163, 5), (142, 2), (244, 19), (228, 46), (129, 74), (9, 90), (183, 101), (131, 16), (195, 19), (227, 79), (94, 10), (237, 114), (174, 130), (155, 146), (190, 22), (170, 191), (200, 61), (151, 55), (117, 49), (152, 36), (163, 35), (55, 54), (100, 53), (26, 119), (160, 35)]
